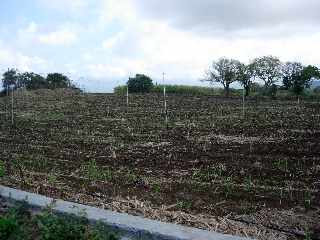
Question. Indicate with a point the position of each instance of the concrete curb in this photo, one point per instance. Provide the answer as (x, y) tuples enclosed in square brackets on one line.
[(130, 227)]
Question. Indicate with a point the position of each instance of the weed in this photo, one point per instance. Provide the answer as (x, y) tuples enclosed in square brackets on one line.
[(53, 227), (52, 179), (248, 184), (13, 225), (307, 199), (53, 116), (131, 177), (209, 175), (228, 186), (8, 227), (281, 164), (95, 174), (184, 205), (156, 188), (20, 224), (307, 235), (2, 169)]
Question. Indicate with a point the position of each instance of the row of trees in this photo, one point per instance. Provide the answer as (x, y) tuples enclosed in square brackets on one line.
[(29, 80), (269, 69)]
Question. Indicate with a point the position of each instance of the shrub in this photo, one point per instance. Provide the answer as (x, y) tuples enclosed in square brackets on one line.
[(20, 224), (2, 168), (140, 84), (8, 227)]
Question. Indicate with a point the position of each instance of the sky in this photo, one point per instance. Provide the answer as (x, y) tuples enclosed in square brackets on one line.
[(100, 43)]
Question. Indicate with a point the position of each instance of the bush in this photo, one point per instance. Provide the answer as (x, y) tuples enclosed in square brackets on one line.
[(140, 84), (8, 227), (20, 224), (182, 89)]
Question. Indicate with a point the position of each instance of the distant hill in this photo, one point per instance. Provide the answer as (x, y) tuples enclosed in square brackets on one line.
[(315, 83)]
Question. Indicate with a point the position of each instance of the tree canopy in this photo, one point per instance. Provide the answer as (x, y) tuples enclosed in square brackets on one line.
[(58, 80), (268, 69), (10, 78), (245, 75), (31, 80), (290, 70), (224, 71), (140, 84), (302, 79)]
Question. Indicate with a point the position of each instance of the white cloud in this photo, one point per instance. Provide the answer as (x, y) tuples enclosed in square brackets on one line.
[(10, 58), (112, 41), (33, 34), (130, 36), (72, 6), (59, 37), (31, 28), (184, 54)]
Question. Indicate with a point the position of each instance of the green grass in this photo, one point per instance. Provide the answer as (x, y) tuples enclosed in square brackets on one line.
[(18, 223), (184, 89), (2, 169), (94, 173)]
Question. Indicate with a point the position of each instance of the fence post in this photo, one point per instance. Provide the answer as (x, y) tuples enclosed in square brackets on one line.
[(127, 96), (243, 102), (165, 101), (12, 88)]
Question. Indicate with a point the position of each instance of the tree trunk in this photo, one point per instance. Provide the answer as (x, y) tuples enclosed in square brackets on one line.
[(247, 89), (227, 90)]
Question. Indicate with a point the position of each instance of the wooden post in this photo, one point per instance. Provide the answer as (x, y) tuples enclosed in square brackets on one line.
[(12, 106), (243, 102), (165, 101), (127, 96), (7, 103)]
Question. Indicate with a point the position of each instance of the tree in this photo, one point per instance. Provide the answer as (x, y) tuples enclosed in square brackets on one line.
[(140, 84), (289, 72), (245, 74), (303, 79), (268, 69), (9, 78), (58, 80), (224, 71), (33, 81)]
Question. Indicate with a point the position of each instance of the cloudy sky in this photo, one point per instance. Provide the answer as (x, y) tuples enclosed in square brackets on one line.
[(99, 43)]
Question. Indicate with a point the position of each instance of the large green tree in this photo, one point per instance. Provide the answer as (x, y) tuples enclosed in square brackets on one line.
[(290, 71), (140, 84), (268, 69), (245, 75), (10, 78), (58, 80), (303, 79), (224, 71), (33, 81)]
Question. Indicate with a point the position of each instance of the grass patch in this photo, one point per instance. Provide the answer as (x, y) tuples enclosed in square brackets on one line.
[(18, 223)]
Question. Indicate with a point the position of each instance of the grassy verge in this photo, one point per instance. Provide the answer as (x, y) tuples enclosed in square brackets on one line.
[(20, 223)]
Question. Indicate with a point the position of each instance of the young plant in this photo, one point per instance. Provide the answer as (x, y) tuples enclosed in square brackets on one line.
[(52, 179), (248, 184), (184, 205), (156, 188), (95, 174), (2, 169), (307, 199), (228, 186)]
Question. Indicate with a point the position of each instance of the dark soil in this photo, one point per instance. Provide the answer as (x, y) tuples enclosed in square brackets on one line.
[(210, 159)]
